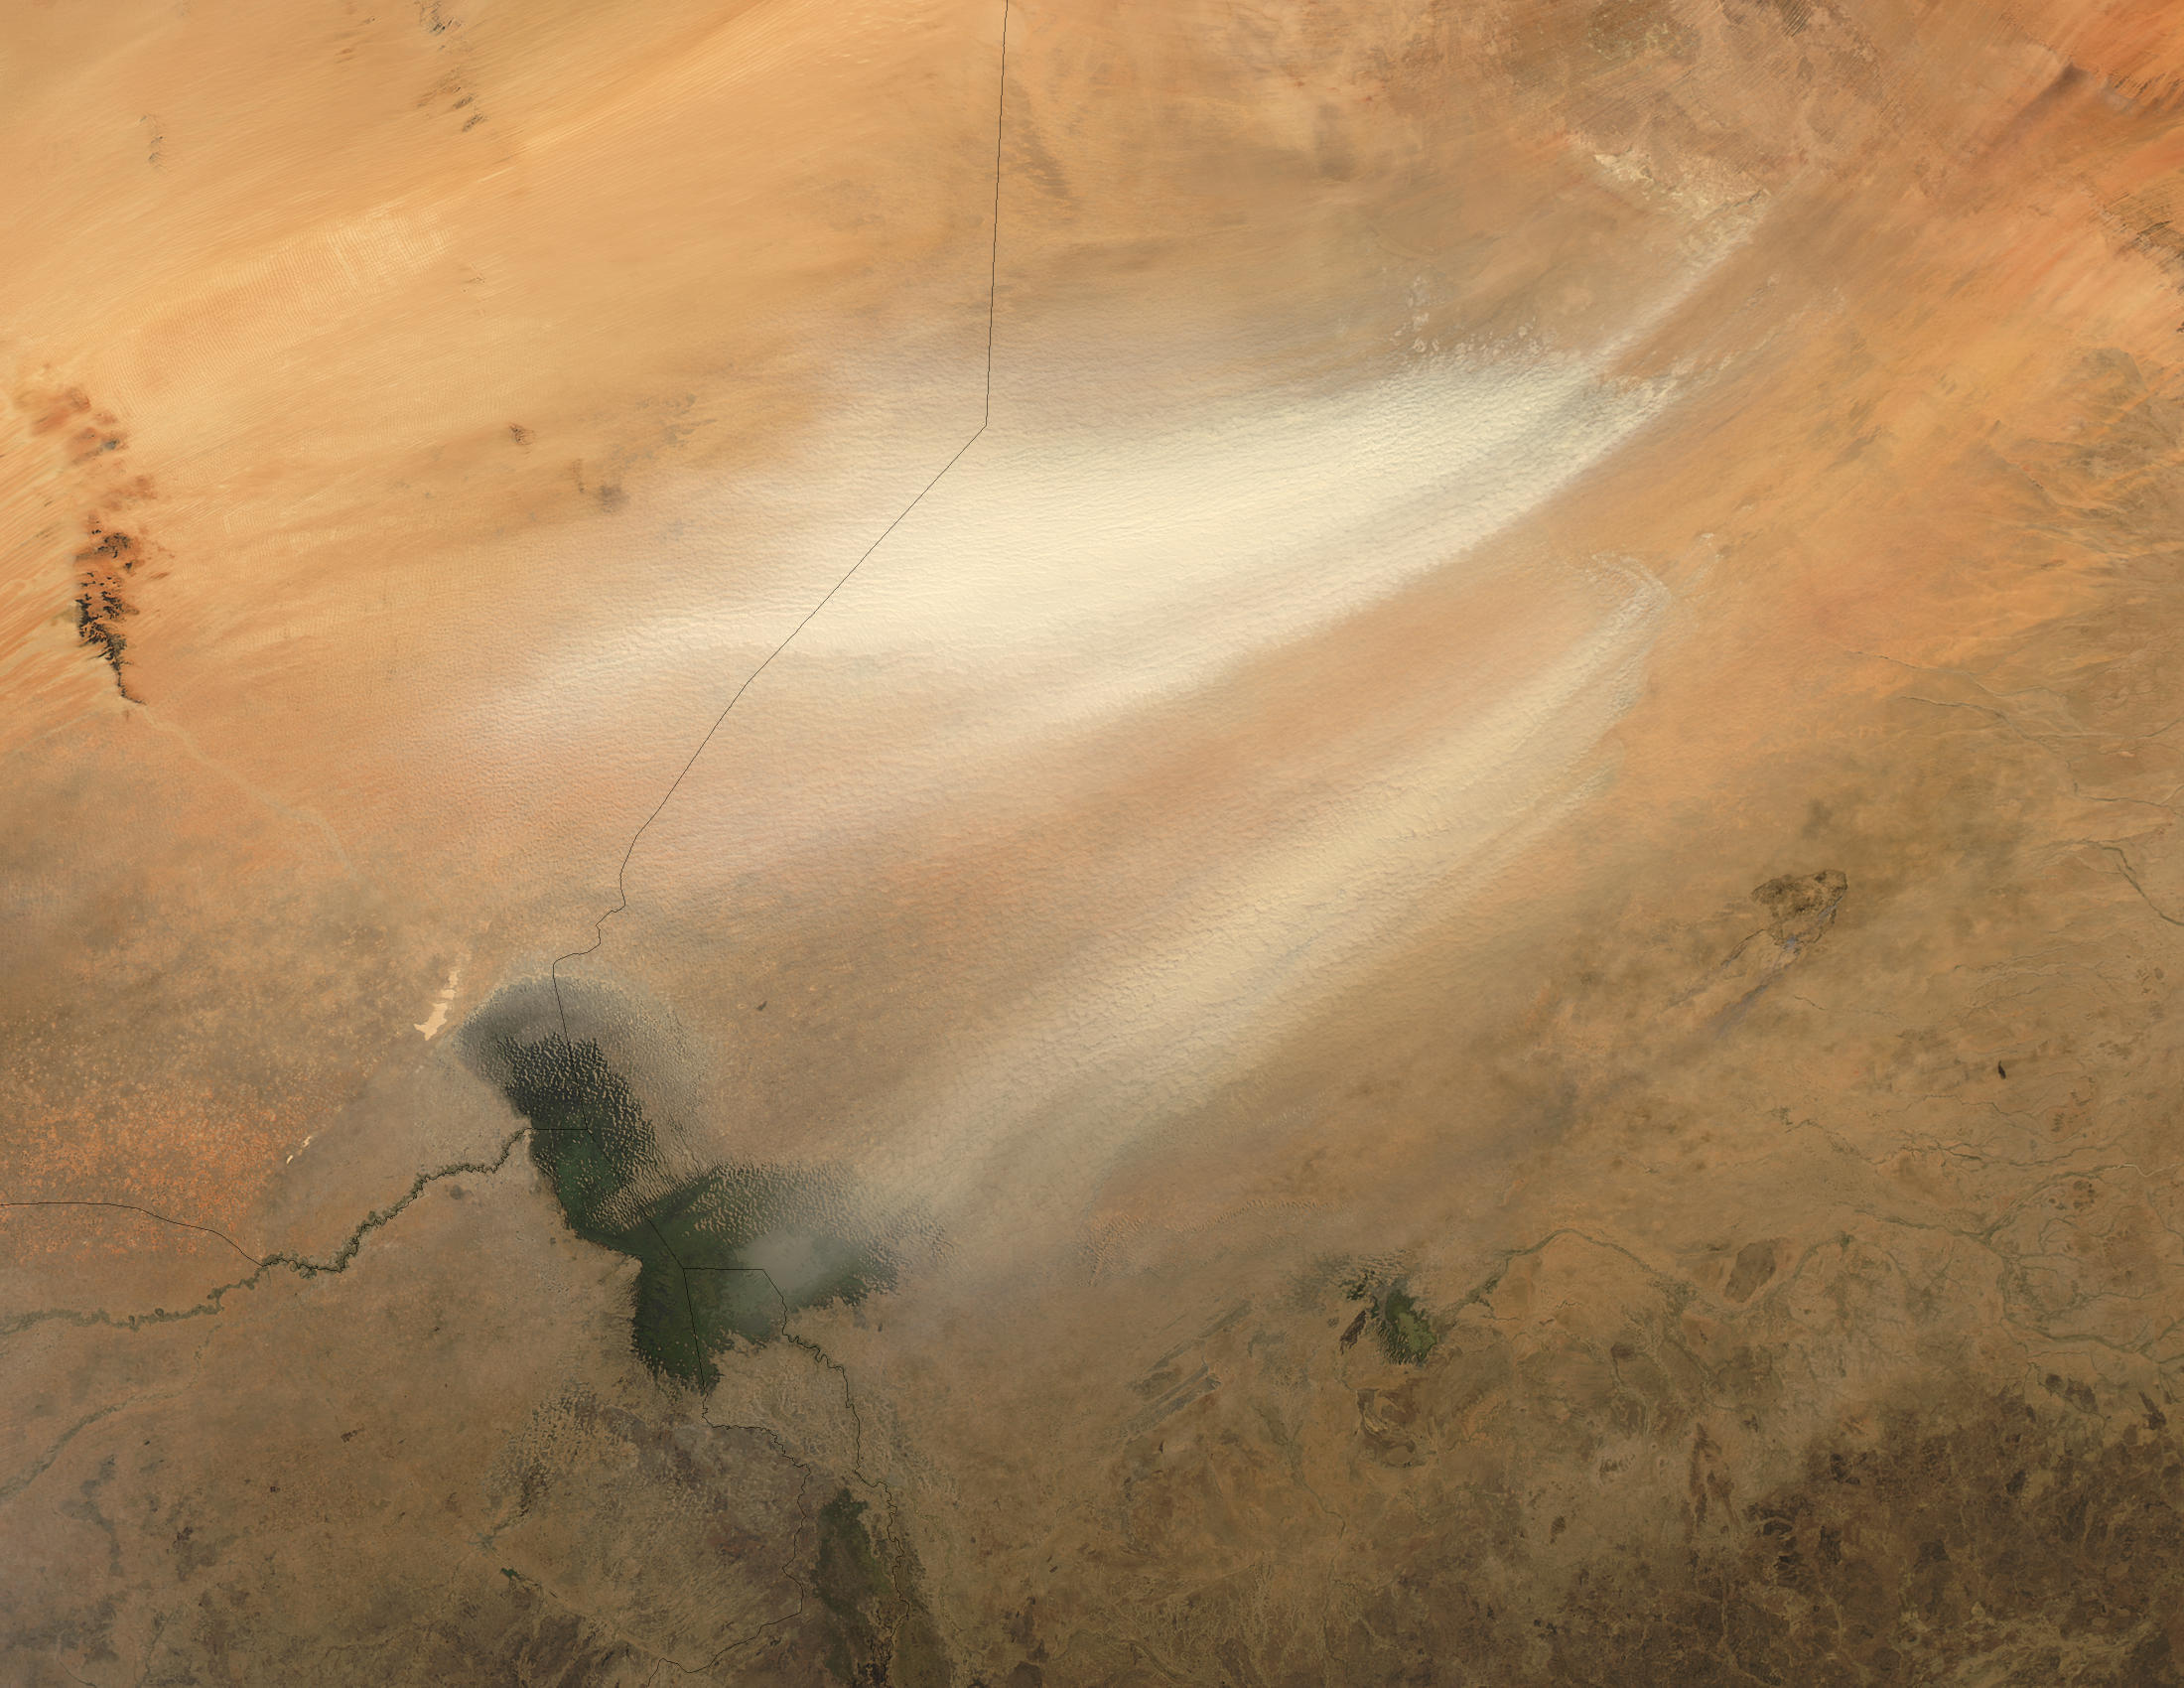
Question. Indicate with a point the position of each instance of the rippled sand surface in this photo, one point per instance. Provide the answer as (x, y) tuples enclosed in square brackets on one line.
[(1134, 844)]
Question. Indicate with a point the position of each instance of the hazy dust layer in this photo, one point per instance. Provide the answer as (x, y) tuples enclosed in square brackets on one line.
[(1479, 915)]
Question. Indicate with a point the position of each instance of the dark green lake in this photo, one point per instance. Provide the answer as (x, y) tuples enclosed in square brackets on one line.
[(733, 1253)]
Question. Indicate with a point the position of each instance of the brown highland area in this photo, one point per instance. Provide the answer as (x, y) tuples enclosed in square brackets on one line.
[(1454, 971)]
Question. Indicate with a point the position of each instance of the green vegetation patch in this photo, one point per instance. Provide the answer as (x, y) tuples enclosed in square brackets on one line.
[(878, 1630), (1400, 1322), (729, 1254)]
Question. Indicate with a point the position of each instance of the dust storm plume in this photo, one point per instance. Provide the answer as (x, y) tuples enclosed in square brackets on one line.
[(1050, 844)]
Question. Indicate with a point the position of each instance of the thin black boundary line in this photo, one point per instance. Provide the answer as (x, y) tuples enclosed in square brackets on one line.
[(311, 1268), (307, 1267), (993, 283), (303, 1265), (132, 1207), (651, 1224)]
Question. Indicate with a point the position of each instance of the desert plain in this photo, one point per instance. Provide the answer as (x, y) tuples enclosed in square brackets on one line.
[(1149, 843)]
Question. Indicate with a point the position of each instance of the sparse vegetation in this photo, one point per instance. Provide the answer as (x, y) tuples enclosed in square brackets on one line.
[(1400, 1322)]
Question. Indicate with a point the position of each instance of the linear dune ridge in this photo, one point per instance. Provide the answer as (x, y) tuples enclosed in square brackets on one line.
[(1038, 844)]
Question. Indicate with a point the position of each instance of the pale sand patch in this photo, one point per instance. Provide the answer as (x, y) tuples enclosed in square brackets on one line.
[(433, 1022)]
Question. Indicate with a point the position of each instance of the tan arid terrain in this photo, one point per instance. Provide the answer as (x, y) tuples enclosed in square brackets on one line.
[(1448, 961)]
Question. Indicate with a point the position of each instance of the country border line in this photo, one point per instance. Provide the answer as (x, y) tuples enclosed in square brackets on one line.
[(993, 283), (306, 1267)]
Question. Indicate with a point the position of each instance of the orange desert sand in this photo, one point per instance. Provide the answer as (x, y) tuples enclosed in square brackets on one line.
[(1446, 961)]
